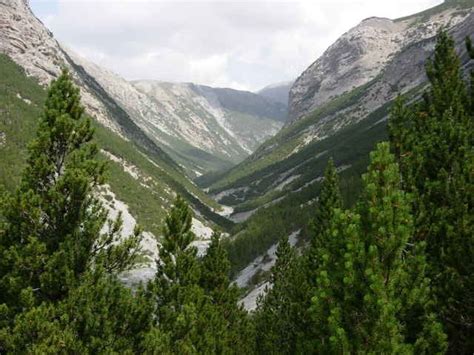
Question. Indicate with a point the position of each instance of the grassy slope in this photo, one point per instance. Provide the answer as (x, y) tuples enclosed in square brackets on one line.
[(18, 123)]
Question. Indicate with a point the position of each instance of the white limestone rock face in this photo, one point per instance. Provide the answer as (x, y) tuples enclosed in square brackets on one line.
[(361, 54), (277, 92), (179, 118), (25, 39)]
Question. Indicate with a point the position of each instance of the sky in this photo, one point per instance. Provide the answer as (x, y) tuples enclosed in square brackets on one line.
[(245, 44)]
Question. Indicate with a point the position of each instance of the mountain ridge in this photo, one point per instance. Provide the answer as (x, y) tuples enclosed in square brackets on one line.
[(359, 55)]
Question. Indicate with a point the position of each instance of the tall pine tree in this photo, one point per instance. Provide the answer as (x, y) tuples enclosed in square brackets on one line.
[(357, 304), (232, 328), (435, 141), (52, 241), (279, 314), (51, 230)]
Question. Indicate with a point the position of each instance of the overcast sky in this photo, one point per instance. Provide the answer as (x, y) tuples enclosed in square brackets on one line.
[(238, 44)]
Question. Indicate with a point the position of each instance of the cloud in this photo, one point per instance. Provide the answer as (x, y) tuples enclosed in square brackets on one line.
[(242, 44)]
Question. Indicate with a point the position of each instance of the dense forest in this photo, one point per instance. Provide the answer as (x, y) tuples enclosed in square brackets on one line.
[(394, 273)]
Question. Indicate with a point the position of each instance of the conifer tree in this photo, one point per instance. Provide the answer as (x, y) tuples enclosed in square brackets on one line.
[(51, 232), (195, 307), (232, 328), (437, 160), (215, 271), (328, 200), (357, 298), (178, 297), (470, 50), (99, 316), (276, 324)]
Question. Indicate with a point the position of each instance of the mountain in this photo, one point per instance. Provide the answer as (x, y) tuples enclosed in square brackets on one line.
[(277, 92), (202, 129), (195, 120), (271, 189), (199, 127), (143, 178), (362, 53)]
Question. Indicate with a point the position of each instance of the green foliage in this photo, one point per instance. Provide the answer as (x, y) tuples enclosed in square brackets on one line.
[(57, 266), (52, 224), (195, 307), (434, 141), (231, 324), (357, 302), (329, 198), (21, 101), (279, 321), (99, 316)]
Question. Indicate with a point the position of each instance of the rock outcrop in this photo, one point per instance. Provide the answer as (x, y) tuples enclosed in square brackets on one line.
[(26, 40)]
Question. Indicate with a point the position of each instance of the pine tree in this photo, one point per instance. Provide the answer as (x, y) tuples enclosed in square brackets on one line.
[(437, 161), (329, 198), (470, 50), (357, 299), (175, 289), (276, 319), (215, 271), (99, 316), (232, 328), (51, 233)]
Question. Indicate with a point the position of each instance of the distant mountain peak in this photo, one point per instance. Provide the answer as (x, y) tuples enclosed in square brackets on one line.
[(277, 92)]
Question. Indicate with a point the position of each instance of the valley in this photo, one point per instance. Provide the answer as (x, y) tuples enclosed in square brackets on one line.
[(250, 165)]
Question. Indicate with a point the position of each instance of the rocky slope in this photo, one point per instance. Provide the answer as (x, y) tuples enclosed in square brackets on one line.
[(196, 125), (361, 54), (29, 43), (193, 119), (282, 178)]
